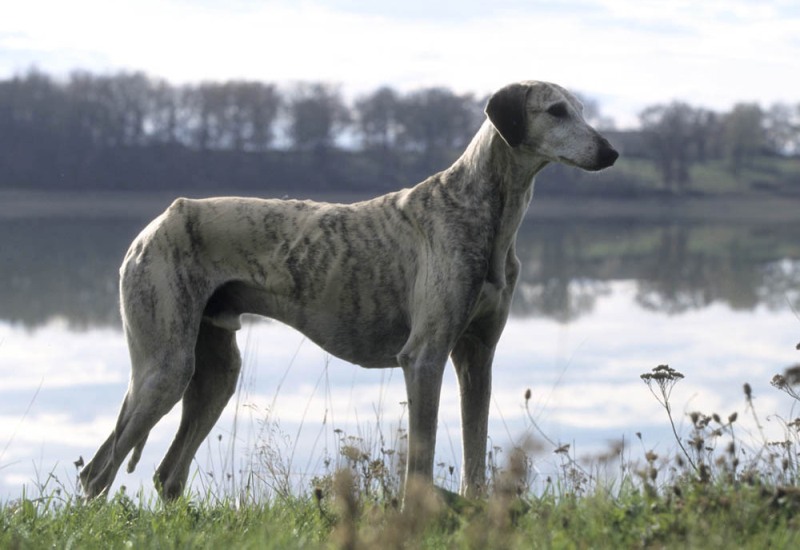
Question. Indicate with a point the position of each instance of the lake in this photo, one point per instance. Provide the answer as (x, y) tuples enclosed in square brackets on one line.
[(607, 293)]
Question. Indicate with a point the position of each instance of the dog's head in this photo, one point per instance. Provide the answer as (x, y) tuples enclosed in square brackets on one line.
[(545, 119)]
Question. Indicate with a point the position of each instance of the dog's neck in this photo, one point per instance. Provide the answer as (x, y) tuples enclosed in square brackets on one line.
[(490, 159), (502, 178)]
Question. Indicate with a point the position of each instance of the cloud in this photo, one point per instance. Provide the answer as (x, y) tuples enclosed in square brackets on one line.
[(628, 54)]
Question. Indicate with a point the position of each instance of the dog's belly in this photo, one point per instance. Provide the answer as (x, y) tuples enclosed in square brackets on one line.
[(371, 341)]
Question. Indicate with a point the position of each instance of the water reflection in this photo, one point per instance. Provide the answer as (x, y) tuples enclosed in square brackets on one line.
[(598, 304), (67, 268)]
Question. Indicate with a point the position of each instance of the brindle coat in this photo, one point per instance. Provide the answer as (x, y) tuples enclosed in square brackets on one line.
[(406, 279)]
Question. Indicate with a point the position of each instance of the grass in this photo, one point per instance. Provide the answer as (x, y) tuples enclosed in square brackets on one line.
[(722, 487), (715, 177)]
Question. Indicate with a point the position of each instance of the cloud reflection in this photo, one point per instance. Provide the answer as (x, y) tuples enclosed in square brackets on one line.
[(584, 377)]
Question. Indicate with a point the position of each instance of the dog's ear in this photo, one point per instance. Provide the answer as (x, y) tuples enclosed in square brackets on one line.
[(506, 111)]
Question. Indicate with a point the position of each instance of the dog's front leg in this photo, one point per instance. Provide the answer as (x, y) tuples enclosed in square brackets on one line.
[(472, 360), (423, 369)]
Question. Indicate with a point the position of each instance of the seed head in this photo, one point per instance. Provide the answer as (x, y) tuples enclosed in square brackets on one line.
[(527, 395), (792, 374), (563, 449), (748, 391), (778, 381)]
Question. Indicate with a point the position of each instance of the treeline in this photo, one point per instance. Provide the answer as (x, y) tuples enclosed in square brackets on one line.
[(677, 135), (131, 131)]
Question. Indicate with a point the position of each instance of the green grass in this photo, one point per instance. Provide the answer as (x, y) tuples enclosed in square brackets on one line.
[(718, 489), (123, 522), (715, 177), (683, 514)]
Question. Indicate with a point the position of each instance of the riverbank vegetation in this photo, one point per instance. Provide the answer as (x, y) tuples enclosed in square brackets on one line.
[(130, 131)]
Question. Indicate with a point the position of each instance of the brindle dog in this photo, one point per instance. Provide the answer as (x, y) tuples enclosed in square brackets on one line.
[(406, 279)]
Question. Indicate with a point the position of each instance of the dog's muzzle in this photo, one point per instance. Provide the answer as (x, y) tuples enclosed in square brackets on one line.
[(606, 156)]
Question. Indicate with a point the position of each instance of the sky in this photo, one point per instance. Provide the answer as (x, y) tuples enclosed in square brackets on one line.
[(625, 54)]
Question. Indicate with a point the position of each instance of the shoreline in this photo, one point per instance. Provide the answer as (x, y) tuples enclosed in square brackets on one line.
[(749, 208)]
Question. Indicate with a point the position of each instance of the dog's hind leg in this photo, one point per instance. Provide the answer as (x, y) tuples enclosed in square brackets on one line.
[(217, 367), (157, 384)]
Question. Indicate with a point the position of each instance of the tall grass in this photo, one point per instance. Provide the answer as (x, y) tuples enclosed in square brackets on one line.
[(721, 486)]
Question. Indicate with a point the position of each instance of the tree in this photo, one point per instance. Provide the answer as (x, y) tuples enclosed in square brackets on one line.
[(317, 114), (377, 119), (33, 126), (129, 94), (669, 130), (437, 122), (205, 106), (705, 135), (163, 113), (743, 134), (782, 129), (257, 107), (91, 113)]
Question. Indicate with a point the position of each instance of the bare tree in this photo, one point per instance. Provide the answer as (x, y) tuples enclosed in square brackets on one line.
[(317, 114), (377, 119), (437, 123), (256, 111), (162, 122)]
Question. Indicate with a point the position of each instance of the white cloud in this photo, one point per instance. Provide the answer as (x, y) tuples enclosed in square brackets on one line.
[(629, 54)]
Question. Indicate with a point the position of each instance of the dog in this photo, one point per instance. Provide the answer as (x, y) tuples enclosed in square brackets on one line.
[(405, 280)]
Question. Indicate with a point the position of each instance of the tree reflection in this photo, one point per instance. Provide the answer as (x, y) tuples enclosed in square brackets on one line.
[(68, 268), (673, 280), (62, 269), (556, 279), (677, 267), (781, 284)]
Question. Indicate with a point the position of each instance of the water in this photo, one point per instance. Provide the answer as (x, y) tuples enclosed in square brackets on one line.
[(601, 301)]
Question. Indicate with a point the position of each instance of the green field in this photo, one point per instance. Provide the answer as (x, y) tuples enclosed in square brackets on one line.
[(760, 175)]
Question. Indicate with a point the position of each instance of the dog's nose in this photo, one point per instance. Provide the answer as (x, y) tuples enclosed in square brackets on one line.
[(608, 156)]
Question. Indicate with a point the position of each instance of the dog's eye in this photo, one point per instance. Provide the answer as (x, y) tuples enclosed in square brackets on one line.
[(558, 110)]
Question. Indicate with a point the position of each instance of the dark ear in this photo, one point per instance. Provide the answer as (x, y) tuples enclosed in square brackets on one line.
[(506, 110)]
